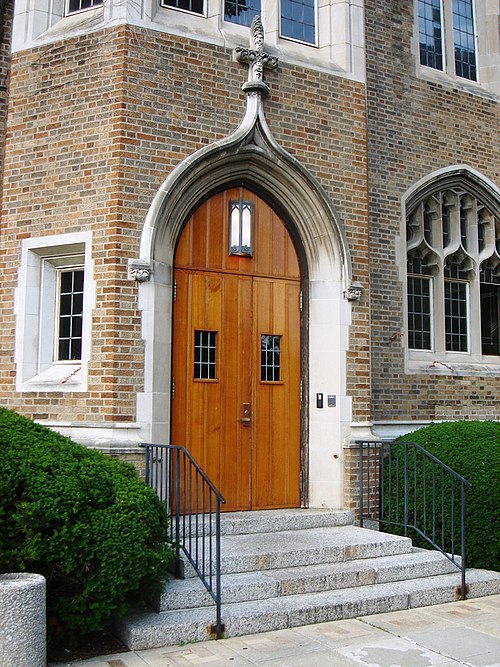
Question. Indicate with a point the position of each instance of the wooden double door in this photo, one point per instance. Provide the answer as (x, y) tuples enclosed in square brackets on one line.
[(236, 351)]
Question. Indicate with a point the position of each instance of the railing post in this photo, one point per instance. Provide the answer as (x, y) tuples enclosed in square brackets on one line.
[(361, 484), (405, 508), (218, 601), (463, 539)]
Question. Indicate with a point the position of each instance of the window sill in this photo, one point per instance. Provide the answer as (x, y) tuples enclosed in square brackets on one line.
[(59, 377), (86, 20), (452, 366), (439, 77)]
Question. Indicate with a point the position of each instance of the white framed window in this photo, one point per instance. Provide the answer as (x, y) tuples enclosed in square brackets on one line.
[(453, 274), (73, 6), (447, 37), (241, 11), (194, 6), (54, 302), (298, 20)]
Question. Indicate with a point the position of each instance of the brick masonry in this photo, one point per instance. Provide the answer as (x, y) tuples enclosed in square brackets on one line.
[(414, 128), (97, 122)]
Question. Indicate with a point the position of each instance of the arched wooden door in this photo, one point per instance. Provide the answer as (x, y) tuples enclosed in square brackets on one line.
[(236, 351)]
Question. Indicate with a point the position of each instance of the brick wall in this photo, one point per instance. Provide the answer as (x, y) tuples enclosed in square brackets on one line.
[(415, 128), (6, 9), (96, 124)]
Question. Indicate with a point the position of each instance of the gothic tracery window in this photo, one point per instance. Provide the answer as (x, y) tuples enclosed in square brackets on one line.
[(453, 272)]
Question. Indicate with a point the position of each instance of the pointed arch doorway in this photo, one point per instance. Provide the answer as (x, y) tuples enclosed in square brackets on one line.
[(236, 350)]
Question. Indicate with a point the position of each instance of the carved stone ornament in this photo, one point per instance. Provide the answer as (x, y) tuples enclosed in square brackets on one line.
[(139, 271), (354, 292), (255, 56)]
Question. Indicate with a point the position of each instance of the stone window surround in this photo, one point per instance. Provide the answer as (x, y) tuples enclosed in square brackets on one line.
[(340, 32), (486, 17), (35, 311), (440, 361)]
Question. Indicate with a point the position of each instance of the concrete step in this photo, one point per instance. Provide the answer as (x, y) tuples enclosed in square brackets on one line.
[(263, 585), (294, 548), (149, 630), (269, 521)]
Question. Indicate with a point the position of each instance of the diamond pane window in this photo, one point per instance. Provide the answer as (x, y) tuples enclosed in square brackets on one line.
[(69, 338), (195, 6), (240, 227), (270, 358), (77, 5), (241, 11), (298, 20), (205, 355)]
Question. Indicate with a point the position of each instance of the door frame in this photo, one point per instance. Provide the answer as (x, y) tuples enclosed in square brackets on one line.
[(326, 275)]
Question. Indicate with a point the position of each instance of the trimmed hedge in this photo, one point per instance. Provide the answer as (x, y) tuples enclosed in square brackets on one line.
[(472, 449), (83, 520)]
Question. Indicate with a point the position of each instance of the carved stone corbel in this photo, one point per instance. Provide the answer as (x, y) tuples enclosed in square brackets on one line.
[(354, 292), (139, 270)]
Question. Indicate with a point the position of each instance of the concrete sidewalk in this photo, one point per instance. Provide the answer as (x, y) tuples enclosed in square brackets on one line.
[(458, 633)]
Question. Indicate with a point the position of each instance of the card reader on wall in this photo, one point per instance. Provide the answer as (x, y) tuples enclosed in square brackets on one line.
[(319, 400)]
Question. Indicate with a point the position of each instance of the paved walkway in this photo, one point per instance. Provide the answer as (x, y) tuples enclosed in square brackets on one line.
[(460, 633)]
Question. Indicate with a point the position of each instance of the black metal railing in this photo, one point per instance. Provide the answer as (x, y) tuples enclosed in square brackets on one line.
[(404, 485), (193, 505)]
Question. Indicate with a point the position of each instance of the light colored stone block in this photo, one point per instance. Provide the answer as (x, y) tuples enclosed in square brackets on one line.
[(22, 620)]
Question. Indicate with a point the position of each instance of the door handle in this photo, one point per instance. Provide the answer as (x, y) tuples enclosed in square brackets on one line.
[(247, 414)]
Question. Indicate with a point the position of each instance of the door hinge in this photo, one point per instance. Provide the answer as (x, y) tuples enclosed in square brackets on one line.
[(175, 290), (172, 387), (300, 300), (301, 387)]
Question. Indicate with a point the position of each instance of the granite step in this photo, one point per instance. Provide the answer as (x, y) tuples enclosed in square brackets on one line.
[(269, 521), (295, 548), (262, 585), (150, 630)]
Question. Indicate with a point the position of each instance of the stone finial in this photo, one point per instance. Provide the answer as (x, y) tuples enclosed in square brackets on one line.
[(256, 58), (139, 270)]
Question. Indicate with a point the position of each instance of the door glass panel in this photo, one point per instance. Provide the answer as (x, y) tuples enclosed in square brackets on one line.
[(205, 355), (270, 358)]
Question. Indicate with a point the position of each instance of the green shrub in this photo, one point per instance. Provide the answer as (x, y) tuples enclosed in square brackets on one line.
[(472, 449), (83, 520)]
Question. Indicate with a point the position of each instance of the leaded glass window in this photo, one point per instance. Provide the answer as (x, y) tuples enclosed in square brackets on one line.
[(77, 5), (205, 355), (464, 39), (430, 33), (195, 6), (446, 36), (241, 11), (453, 271), (490, 307), (70, 315), (240, 227), (270, 358), (298, 20), (456, 316)]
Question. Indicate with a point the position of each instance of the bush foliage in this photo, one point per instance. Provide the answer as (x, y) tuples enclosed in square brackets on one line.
[(472, 449), (83, 520)]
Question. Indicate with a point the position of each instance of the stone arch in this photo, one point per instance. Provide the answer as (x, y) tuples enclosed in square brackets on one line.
[(250, 157)]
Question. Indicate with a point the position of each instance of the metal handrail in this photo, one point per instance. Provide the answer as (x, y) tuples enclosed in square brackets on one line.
[(402, 484), (193, 506)]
